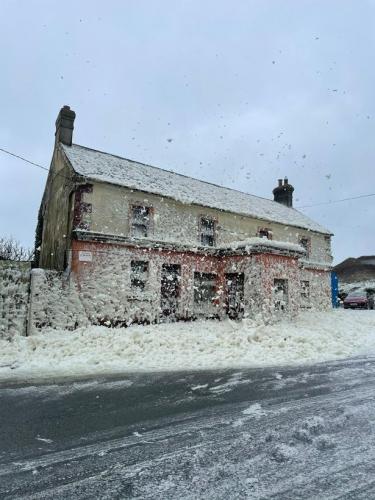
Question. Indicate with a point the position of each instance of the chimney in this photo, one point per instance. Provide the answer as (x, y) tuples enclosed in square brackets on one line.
[(283, 193), (65, 125)]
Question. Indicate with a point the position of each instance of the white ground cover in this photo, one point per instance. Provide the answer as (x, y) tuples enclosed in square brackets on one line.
[(312, 337)]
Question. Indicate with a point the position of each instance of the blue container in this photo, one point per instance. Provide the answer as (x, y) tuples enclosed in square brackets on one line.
[(335, 289)]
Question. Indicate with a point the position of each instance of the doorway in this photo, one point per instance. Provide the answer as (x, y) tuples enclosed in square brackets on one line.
[(170, 290), (235, 295)]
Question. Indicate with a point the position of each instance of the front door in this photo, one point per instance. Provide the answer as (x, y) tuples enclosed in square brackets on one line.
[(170, 289), (235, 294)]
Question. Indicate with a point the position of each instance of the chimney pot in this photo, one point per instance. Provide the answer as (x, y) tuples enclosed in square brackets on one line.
[(65, 125), (283, 193)]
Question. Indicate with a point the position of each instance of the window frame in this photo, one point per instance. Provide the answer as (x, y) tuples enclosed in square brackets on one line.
[(149, 219), (304, 288), (307, 247), (82, 209), (267, 232), (305, 293), (137, 283), (201, 235), (199, 297), (278, 306)]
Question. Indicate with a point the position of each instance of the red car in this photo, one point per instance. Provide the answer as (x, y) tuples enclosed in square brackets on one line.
[(359, 300)]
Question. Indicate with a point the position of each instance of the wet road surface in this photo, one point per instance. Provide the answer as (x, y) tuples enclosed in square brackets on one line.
[(283, 433)]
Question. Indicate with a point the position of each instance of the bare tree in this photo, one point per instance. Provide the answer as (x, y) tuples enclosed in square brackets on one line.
[(11, 249)]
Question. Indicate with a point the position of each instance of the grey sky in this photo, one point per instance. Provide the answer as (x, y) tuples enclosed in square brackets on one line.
[(237, 93)]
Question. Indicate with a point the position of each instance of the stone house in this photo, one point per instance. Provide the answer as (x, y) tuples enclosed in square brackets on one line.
[(146, 244)]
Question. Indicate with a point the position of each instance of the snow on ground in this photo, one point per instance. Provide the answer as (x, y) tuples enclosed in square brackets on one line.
[(312, 337)]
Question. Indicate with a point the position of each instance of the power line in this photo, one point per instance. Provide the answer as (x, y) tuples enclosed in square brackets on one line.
[(337, 201), (24, 159), (302, 206), (59, 174)]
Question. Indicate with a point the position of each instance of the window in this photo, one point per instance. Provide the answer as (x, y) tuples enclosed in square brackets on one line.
[(305, 292), (280, 291), (207, 229), (305, 243), (170, 280), (264, 232), (235, 294), (140, 226), (138, 274), (82, 210), (204, 287)]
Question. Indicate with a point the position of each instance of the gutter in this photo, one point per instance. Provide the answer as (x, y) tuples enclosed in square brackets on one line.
[(246, 249)]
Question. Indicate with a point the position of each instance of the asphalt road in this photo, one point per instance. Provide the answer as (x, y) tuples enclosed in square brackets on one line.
[(273, 433)]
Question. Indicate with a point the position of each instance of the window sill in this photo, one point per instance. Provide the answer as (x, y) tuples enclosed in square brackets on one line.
[(140, 296)]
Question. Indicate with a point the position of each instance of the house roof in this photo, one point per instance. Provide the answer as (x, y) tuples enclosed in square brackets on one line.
[(112, 169)]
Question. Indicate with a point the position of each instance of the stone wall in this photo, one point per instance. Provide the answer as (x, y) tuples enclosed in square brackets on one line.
[(105, 290), (105, 282), (278, 267), (54, 302), (319, 290), (54, 219), (14, 295), (99, 291)]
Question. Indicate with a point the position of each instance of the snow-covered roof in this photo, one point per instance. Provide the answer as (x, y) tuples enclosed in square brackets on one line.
[(256, 242), (105, 167)]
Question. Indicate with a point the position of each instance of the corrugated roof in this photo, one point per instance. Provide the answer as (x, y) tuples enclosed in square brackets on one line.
[(105, 167)]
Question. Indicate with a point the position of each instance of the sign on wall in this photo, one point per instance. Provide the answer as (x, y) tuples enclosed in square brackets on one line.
[(84, 256)]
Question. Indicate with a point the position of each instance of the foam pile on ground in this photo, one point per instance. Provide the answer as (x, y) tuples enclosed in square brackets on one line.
[(312, 337)]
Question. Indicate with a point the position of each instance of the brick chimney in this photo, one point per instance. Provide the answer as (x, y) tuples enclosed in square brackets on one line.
[(283, 193), (65, 125)]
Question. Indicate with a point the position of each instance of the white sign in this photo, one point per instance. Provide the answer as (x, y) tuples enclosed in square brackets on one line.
[(84, 256)]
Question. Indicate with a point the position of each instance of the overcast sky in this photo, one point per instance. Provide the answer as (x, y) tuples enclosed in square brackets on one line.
[(238, 93)]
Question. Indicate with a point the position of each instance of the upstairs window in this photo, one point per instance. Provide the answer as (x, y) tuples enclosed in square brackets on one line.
[(328, 249), (264, 232), (82, 210), (207, 232), (138, 274), (140, 224), (306, 244)]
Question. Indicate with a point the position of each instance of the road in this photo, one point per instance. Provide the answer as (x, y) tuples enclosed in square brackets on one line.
[(285, 433)]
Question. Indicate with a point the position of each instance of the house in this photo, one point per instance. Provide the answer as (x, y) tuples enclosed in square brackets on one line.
[(147, 244)]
